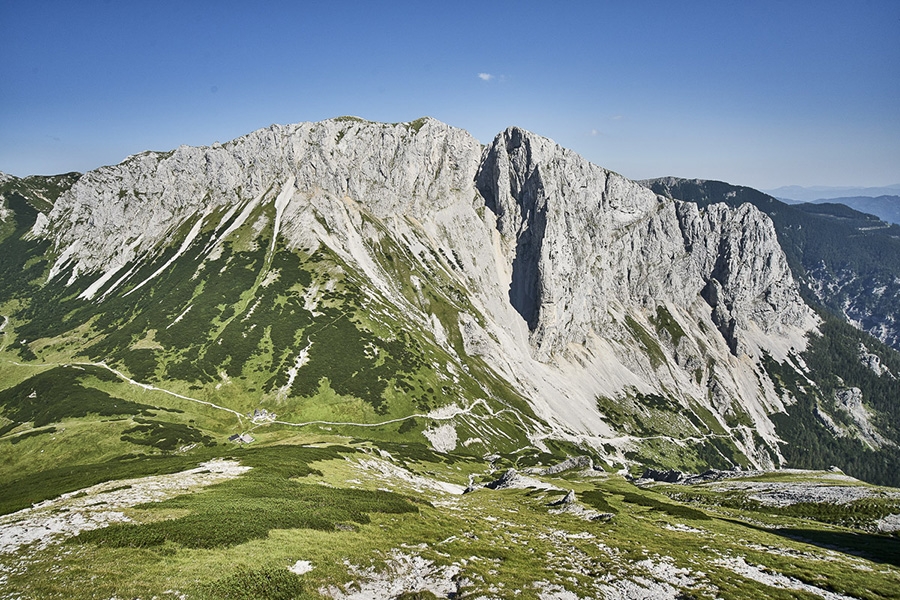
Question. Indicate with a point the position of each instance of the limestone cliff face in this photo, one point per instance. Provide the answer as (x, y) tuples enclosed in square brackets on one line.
[(855, 281), (586, 283), (580, 237), (114, 214)]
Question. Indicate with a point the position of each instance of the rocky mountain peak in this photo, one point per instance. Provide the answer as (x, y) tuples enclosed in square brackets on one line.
[(571, 280), (114, 214), (581, 239), (577, 238)]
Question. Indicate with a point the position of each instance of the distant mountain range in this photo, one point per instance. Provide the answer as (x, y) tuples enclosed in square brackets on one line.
[(793, 194), (886, 208), (883, 202)]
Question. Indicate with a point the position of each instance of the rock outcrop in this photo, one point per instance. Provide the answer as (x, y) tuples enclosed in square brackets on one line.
[(873, 362), (580, 238), (573, 462)]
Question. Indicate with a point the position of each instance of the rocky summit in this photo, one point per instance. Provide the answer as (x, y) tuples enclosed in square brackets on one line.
[(336, 328), (577, 282)]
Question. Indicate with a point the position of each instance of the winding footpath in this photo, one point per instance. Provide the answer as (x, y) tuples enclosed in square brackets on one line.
[(128, 379), (444, 413)]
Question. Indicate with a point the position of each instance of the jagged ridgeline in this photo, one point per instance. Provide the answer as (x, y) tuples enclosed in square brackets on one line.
[(402, 284)]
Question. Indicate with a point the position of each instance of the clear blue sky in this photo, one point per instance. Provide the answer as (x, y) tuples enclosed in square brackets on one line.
[(751, 92)]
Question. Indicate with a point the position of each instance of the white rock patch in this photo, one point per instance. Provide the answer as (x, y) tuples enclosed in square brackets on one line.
[(300, 567), (639, 588), (448, 411), (192, 234), (287, 192), (443, 438), (181, 316), (391, 473), (777, 580), (101, 505), (889, 524), (403, 573), (786, 494), (301, 360)]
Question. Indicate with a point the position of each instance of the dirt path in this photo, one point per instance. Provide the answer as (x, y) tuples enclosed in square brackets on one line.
[(444, 413), (128, 379)]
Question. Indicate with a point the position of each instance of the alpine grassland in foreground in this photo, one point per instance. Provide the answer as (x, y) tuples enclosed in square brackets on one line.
[(358, 517)]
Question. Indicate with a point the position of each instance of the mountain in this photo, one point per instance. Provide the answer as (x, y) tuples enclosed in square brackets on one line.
[(522, 263), (844, 260), (407, 270), (38, 191), (794, 193), (886, 208), (336, 327)]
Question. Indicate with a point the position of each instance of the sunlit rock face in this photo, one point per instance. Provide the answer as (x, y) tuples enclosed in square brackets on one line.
[(580, 283)]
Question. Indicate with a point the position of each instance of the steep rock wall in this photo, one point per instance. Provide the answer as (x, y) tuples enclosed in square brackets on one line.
[(571, 268)]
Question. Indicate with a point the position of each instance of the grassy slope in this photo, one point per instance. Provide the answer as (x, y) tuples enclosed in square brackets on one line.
[(228, 327), (228, 542), (246, 315)]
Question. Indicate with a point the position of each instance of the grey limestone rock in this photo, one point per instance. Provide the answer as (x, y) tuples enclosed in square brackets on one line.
[(566, 500), (850, 401), (507, 479), (566, 263), (873, 362), (573, 462), (581, 238), (576, 237)]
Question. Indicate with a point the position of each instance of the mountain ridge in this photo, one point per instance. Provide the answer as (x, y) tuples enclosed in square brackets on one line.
[(584, 292), (346, 184), (796, 193), (885, 207)]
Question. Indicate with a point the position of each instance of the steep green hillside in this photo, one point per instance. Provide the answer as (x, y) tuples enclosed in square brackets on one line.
[(823, 427), (40, 191), (236, 335)]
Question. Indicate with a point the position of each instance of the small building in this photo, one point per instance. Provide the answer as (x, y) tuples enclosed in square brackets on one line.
[(241, 438)]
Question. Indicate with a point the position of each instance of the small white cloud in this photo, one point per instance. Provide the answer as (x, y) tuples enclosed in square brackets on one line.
[(618, 118), (595, 132), (485, 76)]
